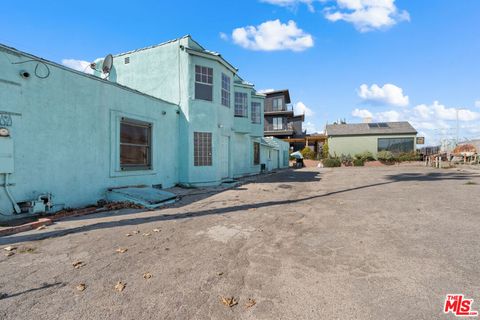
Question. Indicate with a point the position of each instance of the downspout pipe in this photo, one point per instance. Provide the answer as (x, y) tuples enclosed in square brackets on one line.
[(14, 203)]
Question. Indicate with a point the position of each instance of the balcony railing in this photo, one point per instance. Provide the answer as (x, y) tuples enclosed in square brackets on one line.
[(284, 127), (285, 108)]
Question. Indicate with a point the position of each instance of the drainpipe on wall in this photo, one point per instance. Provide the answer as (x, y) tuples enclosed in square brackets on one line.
[(14, 203)]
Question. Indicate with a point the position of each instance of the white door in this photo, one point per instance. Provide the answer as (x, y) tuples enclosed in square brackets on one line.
[(225, 156)]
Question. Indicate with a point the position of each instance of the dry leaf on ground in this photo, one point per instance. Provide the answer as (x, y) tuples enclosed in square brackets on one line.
[(220, 273), (10, 248), (128, 235), (156, 230), (81, 287), (146, 234), (121, 250), (120, 286), (136, 232), (8, 254), (78, 264), (250, 303), (147, 275), (41, 227), (229, 301)]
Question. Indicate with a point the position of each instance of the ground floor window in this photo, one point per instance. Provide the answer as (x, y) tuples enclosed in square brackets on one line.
[(135, 145), (396, 145), (202, 148), (256, 153)]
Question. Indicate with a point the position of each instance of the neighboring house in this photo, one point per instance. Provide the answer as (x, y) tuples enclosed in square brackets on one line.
[(167, 114), (350, 139), (280, 120)]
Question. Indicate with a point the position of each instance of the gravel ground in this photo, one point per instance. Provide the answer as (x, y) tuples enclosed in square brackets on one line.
[(345, 243)]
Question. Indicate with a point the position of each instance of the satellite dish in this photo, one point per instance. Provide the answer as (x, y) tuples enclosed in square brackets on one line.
[(107, 63)]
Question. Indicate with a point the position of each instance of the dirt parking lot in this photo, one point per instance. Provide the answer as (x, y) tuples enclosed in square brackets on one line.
[(347, 243)]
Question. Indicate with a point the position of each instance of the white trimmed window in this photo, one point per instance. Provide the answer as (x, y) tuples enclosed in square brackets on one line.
[(203, 83), (278, 123), (241, 104), (256, 112), (225, 90)]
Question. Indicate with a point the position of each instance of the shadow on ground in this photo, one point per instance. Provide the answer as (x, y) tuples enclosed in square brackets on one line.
[(301, 176)]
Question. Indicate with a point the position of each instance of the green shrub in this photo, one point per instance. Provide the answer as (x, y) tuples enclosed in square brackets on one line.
[(346, 160), (365, 156), (385, 157), (325, 150), (408, 156), (332, 162), (358, 162), (308, 153)]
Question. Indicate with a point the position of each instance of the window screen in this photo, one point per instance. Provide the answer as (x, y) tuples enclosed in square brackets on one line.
[(202, 150), (256, 153), (396, 145), (203, 83), (135, 145), (256, 112), (225, 90), (241, 104)]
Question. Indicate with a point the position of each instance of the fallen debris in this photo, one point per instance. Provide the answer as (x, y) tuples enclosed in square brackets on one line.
[(128, 235), (120, 286), (10, 253), (42, 227), (81, 287), (250, 303), (219, 273), (146, 234), (78, 264), (121, 250), (156, 230), (229, 301), (27, 250), (147, 275), (136, 232), (10, 248)]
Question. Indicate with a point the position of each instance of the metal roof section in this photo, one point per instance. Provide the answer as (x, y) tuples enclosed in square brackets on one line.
[(285, 92), (152, 46), (34, 58), (147, 197), (380, 128)]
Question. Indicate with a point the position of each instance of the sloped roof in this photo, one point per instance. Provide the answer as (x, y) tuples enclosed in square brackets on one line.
[(381, 128), (285, 92)]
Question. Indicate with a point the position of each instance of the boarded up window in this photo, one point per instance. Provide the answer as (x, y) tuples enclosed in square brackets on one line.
[(203, 83), (256, 153), (135, 145), (202, 150)]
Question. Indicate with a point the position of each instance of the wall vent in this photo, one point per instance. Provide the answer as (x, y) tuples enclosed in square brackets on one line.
[(127, 60)]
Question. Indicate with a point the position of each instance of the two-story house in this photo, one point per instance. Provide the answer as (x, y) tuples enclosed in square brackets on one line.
[(280, 120)]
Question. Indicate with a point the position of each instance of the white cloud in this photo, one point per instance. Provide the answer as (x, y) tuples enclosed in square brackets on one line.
[(367, 15), (310, 127), (265, 90), (223, 36), (477, 103), (389, 94), (292, 4), (388, 116), (362, 113), (273, 35), (79, 65), (439, 111), (301, 108)]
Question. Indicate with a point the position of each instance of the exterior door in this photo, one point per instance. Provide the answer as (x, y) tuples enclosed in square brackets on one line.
[(225, 156)]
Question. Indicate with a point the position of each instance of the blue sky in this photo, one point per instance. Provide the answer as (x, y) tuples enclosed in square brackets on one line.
[(389, 60)]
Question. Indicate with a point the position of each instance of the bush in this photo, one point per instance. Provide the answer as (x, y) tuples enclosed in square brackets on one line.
[(358, 162), (365, 156), (332, 162), (409, 156), (385, 157), (346, 160), (325, 150), (308, 153)]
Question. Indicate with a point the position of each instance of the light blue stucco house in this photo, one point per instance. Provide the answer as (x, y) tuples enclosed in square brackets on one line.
[(166, 114)]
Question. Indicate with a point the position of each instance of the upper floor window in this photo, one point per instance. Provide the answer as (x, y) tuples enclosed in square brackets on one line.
[(225, 90), (277, 104), (241, 104), (256, 112), (135, 145), (278, 123), (203, 83)]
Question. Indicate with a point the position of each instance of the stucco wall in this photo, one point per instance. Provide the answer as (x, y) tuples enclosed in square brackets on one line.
[(66, 139), (356, 144)]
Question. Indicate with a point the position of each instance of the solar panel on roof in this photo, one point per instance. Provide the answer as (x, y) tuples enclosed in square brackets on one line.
[(373, 125), (383, 125)]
